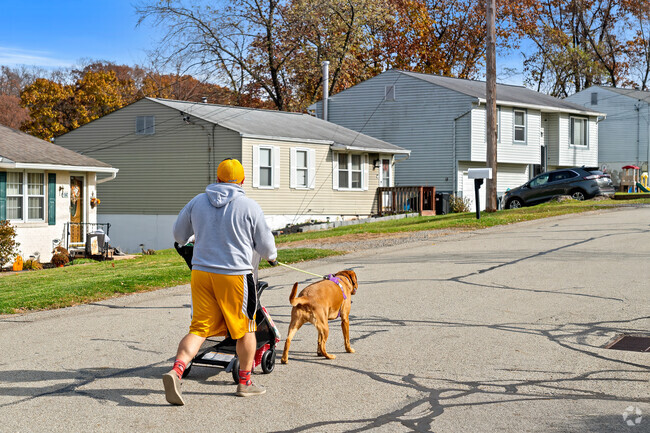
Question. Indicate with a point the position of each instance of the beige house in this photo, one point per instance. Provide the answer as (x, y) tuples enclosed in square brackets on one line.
[(46, 193), (298, 168)]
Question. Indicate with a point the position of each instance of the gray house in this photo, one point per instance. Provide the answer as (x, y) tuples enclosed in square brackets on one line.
[(298, 168), (48, 193), (624, 136), (443, 122)]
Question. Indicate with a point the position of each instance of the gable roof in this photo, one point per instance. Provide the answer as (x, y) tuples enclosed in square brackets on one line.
[(640, 95), (281, 125), (507, 94), (20, 150)]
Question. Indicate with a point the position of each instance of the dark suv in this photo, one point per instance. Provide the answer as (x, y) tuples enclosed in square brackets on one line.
[(579, 182)]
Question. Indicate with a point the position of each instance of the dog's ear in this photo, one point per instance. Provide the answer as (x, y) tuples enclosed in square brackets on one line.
[(352, 276)]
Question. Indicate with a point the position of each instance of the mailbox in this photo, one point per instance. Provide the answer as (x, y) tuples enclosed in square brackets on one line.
[(479, 173)]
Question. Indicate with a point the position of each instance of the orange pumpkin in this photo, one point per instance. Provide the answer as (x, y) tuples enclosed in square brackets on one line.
[(18, 264)]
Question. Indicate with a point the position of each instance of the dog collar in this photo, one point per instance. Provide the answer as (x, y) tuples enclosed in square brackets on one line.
[(335, 279)]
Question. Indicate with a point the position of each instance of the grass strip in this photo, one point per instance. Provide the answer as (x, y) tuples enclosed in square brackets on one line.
[(463, 221), (93, 281)]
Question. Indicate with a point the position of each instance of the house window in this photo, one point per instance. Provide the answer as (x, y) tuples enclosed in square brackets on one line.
[(350, 171), (389, 93), (14, 196), (594, 98), (520, 125), (25, 196), (578, 131), (35, 196), (145, 125), (303, 168), (266, 167)]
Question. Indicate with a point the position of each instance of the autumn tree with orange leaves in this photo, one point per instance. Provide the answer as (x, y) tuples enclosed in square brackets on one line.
[(56, 106)]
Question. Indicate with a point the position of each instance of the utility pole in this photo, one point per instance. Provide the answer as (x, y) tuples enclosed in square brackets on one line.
[(491, 107)]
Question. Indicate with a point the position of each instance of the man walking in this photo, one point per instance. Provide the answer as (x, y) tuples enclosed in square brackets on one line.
[(228, 228)]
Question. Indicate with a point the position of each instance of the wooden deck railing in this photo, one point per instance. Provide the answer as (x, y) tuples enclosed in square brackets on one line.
[(406, 199)]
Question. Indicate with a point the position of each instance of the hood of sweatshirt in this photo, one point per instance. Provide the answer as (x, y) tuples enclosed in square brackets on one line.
[(221, 194)]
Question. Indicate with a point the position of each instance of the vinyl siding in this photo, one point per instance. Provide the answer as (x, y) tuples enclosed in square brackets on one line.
[(507, 150), (159, 173), (569, 155), (420, 119), (617, 134), (322, 200)]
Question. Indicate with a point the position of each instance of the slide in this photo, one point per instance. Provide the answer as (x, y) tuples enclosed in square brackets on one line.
[(642, 188)]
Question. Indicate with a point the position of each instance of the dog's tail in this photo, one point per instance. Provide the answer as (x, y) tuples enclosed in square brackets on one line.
[(292, 297)]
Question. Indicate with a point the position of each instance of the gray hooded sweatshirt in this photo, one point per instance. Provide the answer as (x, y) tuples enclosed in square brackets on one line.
[(228, 228)]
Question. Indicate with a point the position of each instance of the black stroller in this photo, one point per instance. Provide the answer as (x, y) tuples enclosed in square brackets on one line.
[(223, 353)]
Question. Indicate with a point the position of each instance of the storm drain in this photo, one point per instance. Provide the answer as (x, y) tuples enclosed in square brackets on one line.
[(633, 343)]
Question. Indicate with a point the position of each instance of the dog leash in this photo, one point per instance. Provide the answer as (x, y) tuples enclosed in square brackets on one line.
[(299, 270)]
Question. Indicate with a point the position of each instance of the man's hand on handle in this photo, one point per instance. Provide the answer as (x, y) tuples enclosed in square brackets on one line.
[(273, 263)]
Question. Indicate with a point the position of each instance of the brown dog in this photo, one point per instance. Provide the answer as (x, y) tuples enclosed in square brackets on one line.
[(319, 302)]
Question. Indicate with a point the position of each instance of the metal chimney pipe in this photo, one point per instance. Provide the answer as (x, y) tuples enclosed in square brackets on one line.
[(326, 85)]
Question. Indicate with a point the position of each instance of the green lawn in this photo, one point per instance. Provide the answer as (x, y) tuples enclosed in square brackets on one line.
[(465, 221), (88, 282)]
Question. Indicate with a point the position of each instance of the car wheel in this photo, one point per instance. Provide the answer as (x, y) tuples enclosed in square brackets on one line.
[(514, 203), (578, 194)]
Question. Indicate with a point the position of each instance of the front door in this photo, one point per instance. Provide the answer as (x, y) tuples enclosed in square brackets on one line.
[(76, 209)]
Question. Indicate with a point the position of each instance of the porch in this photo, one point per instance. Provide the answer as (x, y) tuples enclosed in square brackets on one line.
[(88, 240), (406, 199)]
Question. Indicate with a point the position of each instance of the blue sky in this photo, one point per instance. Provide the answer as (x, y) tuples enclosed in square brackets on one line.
[(60, 33)]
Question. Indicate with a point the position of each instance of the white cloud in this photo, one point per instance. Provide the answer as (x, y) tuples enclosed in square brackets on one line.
[(17, 56)]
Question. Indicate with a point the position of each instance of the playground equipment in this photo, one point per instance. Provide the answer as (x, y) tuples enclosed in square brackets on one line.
[(643, 184), (629, 178)]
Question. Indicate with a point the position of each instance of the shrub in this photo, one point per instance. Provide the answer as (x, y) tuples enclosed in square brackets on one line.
[(32, 264), (61, 256), (8, 244), (458, 204)]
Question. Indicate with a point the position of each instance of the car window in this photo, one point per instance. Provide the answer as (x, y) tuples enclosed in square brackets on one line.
[(561, 175), (540, 180)]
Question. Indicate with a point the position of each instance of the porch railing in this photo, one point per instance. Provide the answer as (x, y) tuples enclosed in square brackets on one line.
[(87, 239), (406, 199)]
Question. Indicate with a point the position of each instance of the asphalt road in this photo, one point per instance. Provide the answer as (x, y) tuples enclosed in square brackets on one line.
[(497, 330)]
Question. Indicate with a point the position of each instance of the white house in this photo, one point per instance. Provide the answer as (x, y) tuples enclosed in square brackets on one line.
[(46, 193), (442, 121), (298, 168), (624, 136)]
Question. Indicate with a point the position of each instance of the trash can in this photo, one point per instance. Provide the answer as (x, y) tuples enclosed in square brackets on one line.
[(442, 203)]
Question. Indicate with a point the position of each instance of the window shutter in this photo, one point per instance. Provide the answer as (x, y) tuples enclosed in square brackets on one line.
[(256, 166), (3, 195), (364, 173), (311, 161), (292, 168), (51, 199), (335, 170), (276, 167)]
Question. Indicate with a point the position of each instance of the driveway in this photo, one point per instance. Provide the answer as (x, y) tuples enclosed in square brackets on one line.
[(497, 330)]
